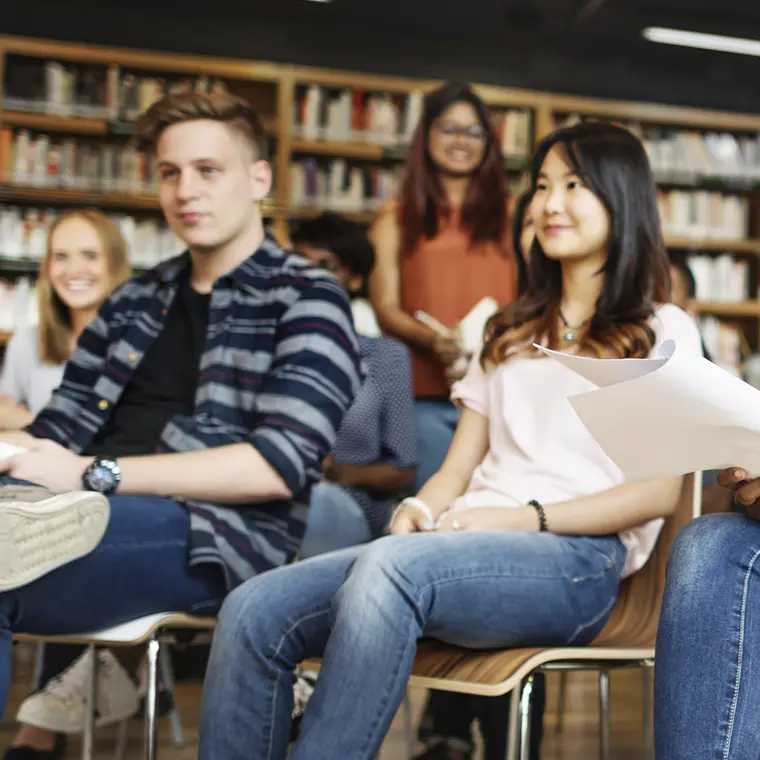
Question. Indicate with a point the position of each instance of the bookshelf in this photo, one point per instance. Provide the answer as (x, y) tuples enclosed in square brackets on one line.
[(339, 140)]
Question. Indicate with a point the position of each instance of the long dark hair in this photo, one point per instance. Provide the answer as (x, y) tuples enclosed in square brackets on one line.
[(614, 166), (423, 202), (521, 257)]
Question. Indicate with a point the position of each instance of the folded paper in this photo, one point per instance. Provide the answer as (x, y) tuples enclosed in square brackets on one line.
[(667, 415)]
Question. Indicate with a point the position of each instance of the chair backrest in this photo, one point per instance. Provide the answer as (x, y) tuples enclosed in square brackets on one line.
[(634, 619)]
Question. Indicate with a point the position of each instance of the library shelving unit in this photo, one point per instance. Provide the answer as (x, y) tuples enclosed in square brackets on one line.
[(338, 141), (66, 115)]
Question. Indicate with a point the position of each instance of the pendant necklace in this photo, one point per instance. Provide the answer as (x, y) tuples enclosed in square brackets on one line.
[(570, 333)]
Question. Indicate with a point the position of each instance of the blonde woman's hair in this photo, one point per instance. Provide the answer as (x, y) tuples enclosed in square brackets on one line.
[(56, 327)]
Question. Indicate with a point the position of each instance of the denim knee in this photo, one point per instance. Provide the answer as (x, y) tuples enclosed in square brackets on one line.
[(708, 546), (239, 610), (376, 583)]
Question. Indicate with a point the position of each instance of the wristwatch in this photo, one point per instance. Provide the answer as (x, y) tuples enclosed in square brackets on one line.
[(103, 475)]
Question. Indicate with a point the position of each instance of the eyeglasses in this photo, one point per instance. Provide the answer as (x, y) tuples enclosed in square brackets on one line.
[(471, 131)]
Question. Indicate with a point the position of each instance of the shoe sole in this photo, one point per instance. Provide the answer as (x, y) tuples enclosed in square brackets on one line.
[(27, 494), (36, 538)]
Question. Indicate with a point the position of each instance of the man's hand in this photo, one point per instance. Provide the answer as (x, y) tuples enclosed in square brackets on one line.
[(18, 438), (447, 349), (46, 463), (331, 469)]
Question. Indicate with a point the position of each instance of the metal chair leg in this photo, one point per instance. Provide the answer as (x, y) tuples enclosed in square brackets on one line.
[(513, 737), (561, 700), (121, 740), (151, 700), (604, 715), (526, 704), (165, 666), (648, 708), (88, 740), (408, 726)]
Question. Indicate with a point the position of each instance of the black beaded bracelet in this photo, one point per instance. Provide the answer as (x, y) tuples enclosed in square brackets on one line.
[(543, 526)]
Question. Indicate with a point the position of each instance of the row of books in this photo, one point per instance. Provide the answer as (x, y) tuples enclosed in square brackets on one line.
[(18, 304), (690, 157), (721, 278), (723, 341), (705, 215), (90, 91), (41, 160), (23, 235), (340, 115), (339, 185), (323, 113), (687, 156)]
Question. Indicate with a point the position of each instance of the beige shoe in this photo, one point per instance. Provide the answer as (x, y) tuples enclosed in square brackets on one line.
[(18, 492), (62, 705), (38, 537)]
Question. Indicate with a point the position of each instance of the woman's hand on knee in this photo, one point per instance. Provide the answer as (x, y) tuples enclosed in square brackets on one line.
[(410, 518)]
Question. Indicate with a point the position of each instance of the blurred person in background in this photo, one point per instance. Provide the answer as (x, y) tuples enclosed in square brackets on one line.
[(442, 247), (85, 259)]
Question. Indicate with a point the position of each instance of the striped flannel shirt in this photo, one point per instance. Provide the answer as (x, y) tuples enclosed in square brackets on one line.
[(279, 370)]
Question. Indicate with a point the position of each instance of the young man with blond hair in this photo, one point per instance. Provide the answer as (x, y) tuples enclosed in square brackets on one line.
[(200, 403)]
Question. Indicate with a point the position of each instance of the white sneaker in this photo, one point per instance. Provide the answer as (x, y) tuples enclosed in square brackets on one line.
[(62, 705), (37, 537)]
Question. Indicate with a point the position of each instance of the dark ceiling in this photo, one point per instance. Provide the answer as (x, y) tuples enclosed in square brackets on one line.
[(580, 46)]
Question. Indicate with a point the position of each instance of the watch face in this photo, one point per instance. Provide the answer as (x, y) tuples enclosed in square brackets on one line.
[(101, 477)]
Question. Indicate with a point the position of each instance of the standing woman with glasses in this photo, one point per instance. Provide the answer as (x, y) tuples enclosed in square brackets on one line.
[(442, 247)]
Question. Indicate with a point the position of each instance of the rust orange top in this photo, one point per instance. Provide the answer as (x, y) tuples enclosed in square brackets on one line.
[(445, 277)]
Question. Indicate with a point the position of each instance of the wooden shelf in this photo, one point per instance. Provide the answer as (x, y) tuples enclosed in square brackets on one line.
[(147, 60), (720, 309), (81, 125), (363, 217), (352, 149), (50, 123), (75, 196), (17, 265), (697, 244)]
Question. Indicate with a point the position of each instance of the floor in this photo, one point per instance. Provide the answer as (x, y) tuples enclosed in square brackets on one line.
[(578, 737)]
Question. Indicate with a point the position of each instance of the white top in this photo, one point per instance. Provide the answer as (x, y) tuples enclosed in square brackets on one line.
[(25, 376), (539, 448)]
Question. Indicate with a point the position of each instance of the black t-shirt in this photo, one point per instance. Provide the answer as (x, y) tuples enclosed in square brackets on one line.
[(163, 385)]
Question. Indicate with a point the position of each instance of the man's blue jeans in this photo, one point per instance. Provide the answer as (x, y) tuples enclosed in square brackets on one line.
[(139, 568), (707, 669), (365, 609), (437, 421), (335, 521)]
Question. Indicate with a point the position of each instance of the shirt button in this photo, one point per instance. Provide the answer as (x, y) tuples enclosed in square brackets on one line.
[(132, 356), (102, 404)]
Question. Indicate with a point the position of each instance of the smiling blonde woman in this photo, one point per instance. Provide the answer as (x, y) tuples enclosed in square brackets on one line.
[(85, 259)]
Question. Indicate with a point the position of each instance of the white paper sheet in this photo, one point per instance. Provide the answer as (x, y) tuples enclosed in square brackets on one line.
[(668, 415)]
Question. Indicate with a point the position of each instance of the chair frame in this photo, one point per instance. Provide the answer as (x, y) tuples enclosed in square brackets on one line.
[(151, 630)]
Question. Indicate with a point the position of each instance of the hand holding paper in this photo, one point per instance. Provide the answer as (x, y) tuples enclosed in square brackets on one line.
[(668, 415)]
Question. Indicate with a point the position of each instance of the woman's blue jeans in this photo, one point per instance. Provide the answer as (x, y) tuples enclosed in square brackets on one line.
[(365, 608)]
